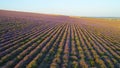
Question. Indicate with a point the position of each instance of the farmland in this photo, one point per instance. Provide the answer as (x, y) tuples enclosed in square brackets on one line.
[(29, 40)]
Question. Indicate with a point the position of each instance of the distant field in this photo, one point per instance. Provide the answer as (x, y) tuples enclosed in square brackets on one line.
[(29, 40)]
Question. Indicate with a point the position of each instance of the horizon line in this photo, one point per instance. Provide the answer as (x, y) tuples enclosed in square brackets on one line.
[(58, 14)]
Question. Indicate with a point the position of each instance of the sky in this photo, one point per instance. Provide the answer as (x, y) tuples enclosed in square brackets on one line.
[(92, 8)]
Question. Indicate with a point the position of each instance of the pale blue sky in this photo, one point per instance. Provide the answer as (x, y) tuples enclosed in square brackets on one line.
[(105, 8)]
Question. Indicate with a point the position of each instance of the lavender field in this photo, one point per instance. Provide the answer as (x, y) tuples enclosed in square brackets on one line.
[(31, 40)]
